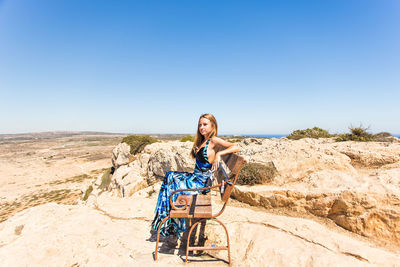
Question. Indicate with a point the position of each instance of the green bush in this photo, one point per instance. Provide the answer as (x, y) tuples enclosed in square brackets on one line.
[(257, 173), (138, 142), (87, 193), (309, 133), (359, 134), (105, 179), (187, 138), (235, 140)]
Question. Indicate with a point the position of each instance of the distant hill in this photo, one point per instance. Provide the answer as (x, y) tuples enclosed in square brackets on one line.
[(60, 134), (49, 135)]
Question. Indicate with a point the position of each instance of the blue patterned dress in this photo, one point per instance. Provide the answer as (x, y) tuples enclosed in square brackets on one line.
[(175, 180)]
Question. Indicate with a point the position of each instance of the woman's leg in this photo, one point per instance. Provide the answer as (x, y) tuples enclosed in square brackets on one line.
[(172, 182)]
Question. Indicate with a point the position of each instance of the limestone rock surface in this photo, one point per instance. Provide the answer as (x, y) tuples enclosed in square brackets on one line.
[(295, 160), (121, 154), (119, 234), (354, 184), (147, 168), (372, 215), (369, 155), (171, 156)]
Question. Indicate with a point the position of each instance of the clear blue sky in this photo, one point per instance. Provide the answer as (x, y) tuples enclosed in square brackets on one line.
[(261, 67)]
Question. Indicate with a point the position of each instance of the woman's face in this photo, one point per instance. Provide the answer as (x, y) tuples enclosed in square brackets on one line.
[(205, 127)]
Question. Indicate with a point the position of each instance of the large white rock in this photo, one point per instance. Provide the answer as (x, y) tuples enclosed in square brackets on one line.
[(120, 174), (118, 234), (295, 160), (171, 156), (369, 154), (149, 167), (367, 205), (120, 155), (135, 180)]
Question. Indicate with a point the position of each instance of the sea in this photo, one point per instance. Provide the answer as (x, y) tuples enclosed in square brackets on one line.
[(273, 135), (266, 135), (258, 135)]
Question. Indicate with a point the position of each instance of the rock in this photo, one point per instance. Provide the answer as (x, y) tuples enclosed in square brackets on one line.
[(97, 182), (295, 160), (164, 157), (369, 154), (128, 179), (355, 185), (266, 238), (118, 234), (121, 155), (249, 141), (368, 214), (147, 168), (144, 160), (385, 137), (135, 180), (370, 159), (315, 176), (121, 173)]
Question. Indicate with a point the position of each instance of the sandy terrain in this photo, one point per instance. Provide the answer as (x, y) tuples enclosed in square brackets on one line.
[(38, 168)]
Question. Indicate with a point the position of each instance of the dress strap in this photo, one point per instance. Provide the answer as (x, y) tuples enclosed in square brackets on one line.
[(205, 150)]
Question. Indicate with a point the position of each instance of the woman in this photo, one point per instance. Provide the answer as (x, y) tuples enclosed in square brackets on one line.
[(207, 161)]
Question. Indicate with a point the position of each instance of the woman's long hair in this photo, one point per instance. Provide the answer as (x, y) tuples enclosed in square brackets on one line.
[(199, 139)]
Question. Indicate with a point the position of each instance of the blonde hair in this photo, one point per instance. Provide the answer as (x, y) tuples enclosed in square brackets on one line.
[(199, 139)]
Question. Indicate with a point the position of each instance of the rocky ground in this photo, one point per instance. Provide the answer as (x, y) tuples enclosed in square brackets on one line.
[(329, 204), (117, 232), (38, 168), (356, 185)]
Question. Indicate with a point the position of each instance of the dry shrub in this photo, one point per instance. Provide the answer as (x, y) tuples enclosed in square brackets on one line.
[(309, 133), (106, 179), (138, 142), (87, 193), (359, 134), (257, 173), (235, 140), (189, 138)]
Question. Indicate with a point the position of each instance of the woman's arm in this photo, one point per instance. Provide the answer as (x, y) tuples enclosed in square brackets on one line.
[(229, 148)]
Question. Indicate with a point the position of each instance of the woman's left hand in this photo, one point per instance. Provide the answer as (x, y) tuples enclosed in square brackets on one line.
[(216, 162)]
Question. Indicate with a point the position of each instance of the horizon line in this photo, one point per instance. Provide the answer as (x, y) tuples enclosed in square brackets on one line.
[(153, 133)]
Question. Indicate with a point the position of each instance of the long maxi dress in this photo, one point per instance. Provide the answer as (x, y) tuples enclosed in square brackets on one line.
[(175, 180)]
